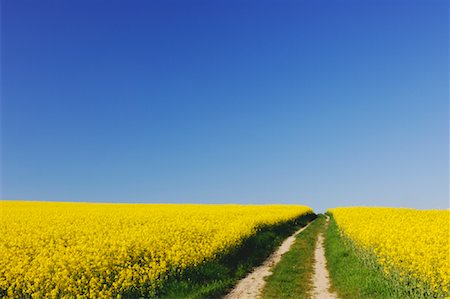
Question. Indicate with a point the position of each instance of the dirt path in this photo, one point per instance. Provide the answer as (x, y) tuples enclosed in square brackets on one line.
[(321, 278), (251, 286)]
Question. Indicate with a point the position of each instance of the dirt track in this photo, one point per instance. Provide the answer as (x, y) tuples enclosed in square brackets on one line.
[(252, 285), (321, 278)]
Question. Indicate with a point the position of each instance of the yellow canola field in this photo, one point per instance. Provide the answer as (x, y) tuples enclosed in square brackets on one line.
[(59, 250), (408, 242)]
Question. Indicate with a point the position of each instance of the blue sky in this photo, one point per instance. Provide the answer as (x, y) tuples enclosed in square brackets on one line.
[(324, 103)]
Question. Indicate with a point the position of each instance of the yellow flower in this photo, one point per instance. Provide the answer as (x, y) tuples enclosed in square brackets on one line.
[(412, 243), (70, 250)]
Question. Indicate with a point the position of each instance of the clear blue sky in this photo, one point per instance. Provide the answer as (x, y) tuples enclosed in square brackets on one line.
[(324, 103)]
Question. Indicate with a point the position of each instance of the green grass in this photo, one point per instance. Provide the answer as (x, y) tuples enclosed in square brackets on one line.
[(292, 276), (355, 273), (215, 278)]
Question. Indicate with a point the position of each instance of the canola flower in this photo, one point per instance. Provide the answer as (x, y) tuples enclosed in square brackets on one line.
[(412, 244), (86, 250)]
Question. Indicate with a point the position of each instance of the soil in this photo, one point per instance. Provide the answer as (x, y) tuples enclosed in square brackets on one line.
[(321, 278), (252, 285)]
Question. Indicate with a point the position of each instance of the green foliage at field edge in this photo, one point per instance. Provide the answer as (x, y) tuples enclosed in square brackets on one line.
[(215, 278), (355, 273)]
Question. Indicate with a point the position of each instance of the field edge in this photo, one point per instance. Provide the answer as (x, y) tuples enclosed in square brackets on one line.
[(217, 277), (355, 272)]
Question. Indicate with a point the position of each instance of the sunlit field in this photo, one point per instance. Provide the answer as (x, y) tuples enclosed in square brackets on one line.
[(110, 250), (412, 246)]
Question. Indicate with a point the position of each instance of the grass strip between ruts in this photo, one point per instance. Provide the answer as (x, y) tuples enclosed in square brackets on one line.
[(292, 276)]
